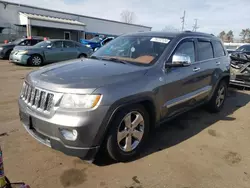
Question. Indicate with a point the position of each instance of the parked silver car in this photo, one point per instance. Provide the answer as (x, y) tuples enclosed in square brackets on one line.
[(49, 51)]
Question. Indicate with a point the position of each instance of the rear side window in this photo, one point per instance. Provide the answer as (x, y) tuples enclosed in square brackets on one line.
[(205, 50), (68, 44), (25, 43), (218, 49), (35, 41), (78, 44)]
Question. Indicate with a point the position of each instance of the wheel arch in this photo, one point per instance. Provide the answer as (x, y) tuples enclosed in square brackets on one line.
[(84, 54), (146, 102), (226, 78)]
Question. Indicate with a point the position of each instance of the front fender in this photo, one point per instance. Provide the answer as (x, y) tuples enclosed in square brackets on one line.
[(115, 107)]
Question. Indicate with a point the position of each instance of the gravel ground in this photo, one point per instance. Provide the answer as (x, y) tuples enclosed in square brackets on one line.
[(196, 150)]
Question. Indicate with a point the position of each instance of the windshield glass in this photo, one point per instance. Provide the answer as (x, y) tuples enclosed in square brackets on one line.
[(134, 49), (42, 44), (96, 39)]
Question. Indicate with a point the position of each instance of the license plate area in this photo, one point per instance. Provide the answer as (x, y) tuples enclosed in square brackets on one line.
[(29, 126)]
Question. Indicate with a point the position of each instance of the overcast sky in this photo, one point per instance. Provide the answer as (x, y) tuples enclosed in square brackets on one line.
[(213, 15)]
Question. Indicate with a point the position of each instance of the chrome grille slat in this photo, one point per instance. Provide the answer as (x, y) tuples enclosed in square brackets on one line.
[(33, 94), (43, 100), (28, 94), (37, 98)]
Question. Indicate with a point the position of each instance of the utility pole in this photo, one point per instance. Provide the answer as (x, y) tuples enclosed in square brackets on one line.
[(195, 26), (183, 21)]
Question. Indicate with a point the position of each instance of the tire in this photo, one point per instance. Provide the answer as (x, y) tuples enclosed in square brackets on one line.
[(119, 149), (36, 60), (82, 56), (7, 55), (218, 99)]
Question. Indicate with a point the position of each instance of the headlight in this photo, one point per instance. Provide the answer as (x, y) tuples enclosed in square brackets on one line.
[(1, 48), (80, 101), (88, 46), (22, 52)]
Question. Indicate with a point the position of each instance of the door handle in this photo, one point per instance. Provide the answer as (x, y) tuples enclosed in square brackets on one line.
[(217, 63), (196, 69)]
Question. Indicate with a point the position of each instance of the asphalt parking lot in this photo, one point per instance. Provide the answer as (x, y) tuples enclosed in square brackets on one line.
[(196, 150)]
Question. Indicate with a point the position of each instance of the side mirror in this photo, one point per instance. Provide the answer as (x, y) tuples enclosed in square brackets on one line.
[(179, 60), (49, 46)]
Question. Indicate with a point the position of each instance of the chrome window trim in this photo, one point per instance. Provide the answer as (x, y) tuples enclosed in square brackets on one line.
[(196, 62)]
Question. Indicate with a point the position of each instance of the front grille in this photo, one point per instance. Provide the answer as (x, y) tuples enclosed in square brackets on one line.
[(37, 98)]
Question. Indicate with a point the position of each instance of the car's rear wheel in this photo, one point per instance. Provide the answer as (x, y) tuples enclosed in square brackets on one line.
[(36, 60), (218, 99), (82, 56), (128, 133)]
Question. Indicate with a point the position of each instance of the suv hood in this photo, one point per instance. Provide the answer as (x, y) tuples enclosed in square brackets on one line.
[(84, 75)]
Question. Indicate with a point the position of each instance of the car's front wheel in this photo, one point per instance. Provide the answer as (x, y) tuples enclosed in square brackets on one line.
[(36, 60), (128, 133)]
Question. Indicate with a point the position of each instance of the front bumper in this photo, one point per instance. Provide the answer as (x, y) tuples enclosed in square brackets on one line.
[(19, 59), (46, 130), (240, 76), (240, 80)]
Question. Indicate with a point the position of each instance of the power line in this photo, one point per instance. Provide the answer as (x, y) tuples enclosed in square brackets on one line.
[(195, 26), (183, 21)]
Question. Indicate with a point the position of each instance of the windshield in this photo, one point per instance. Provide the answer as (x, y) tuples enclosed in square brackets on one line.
[(96, 39), (42, 44), (134, 49)]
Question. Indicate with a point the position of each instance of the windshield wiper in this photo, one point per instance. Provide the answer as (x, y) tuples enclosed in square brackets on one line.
[(115, 60), (109, 59)]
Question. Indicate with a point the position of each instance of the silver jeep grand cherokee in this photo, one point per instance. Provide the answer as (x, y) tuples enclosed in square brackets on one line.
[(126, 88)]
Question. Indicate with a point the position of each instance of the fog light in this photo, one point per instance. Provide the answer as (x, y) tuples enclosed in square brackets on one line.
[(69, 134)]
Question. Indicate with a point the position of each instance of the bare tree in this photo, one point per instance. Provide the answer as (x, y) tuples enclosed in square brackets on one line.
[(230, 36), (245, 34), (128, 16), (222, 35)]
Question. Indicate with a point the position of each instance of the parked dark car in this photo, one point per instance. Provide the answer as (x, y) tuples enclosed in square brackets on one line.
[(131, 85), (5, 49), (49, 51)]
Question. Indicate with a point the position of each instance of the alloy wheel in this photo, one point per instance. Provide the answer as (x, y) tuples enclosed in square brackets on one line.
[(130, 131), (220, 96)]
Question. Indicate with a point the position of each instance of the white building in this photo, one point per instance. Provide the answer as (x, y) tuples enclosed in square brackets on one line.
[(17, 20)]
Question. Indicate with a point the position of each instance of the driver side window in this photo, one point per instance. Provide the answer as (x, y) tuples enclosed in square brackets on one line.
[(186, 48)]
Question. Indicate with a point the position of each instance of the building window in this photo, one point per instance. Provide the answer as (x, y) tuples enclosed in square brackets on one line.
[(67, 35)]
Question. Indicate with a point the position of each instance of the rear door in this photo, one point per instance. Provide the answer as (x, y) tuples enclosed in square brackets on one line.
[(183, 84), (54, 53), (69, 50), (209, 57)]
